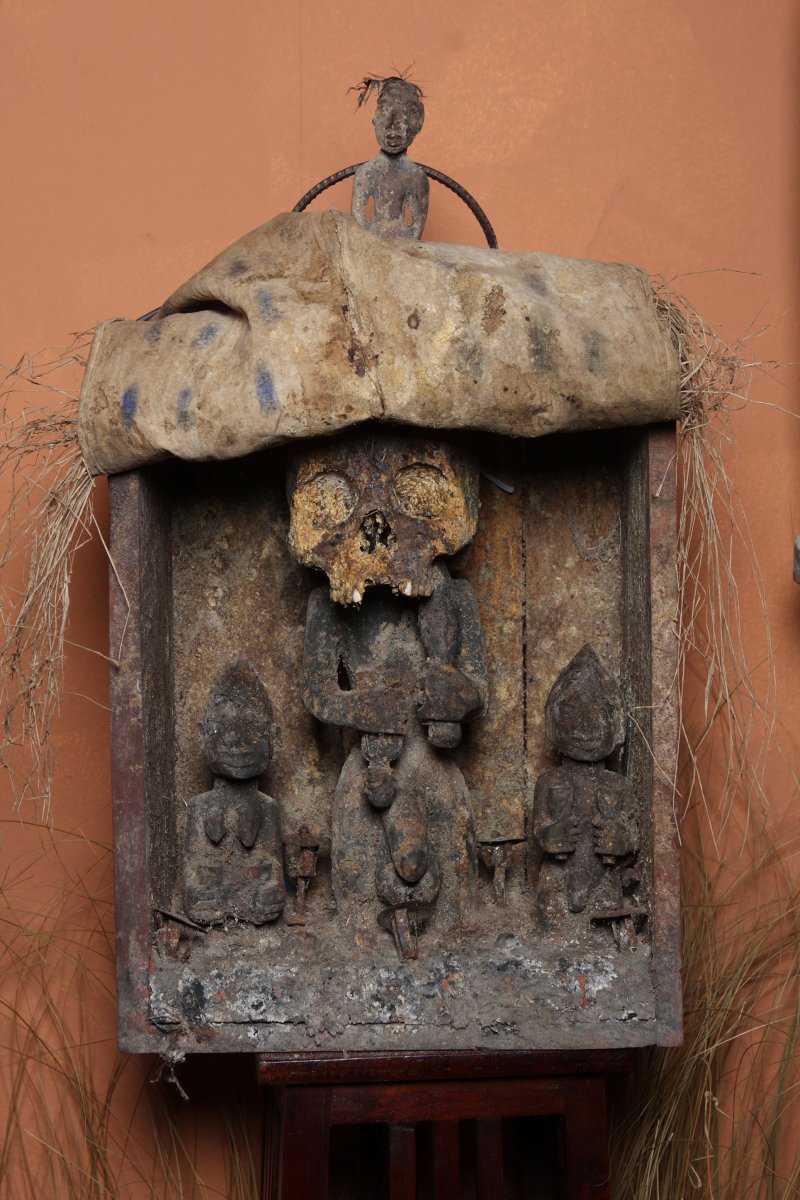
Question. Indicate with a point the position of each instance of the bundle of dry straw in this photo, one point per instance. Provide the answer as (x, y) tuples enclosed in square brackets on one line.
[(48, 519), (717, 1118)]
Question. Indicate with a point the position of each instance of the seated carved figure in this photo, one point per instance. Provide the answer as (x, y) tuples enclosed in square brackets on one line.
[(232, 846), (390, 192), (584, 820), (393, 652)]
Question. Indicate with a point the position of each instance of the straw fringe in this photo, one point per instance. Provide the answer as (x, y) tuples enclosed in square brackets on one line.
[(714, 1118), (49, 518)]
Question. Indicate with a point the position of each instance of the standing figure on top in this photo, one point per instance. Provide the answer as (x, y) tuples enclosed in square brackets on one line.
[(390, 192)]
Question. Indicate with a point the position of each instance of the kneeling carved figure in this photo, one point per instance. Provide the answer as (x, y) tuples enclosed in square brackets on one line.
[(584, 815), (232, 862)]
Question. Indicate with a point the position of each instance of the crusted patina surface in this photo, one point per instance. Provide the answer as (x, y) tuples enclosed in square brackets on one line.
[(499, 989), (546, 571), (311, 325)]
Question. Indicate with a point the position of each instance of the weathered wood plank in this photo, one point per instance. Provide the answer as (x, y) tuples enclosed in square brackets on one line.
[(402, 1162), (142, 736)]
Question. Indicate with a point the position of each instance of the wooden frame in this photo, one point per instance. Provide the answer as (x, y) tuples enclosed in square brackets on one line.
[(146, 836), (406, 1091)]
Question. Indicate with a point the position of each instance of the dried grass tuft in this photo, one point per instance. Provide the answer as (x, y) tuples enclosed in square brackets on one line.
[(717, 1117), (81, 1121), (716, 553), (49, 518)]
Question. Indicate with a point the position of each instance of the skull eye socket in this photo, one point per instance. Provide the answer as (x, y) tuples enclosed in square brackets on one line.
[(421, 490), (328, 499)]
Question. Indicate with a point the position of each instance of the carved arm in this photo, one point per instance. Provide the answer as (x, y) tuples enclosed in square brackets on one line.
[(454, 680), (371, 707)]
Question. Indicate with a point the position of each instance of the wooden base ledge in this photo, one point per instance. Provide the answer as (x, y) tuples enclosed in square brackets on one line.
[(282, 1069)]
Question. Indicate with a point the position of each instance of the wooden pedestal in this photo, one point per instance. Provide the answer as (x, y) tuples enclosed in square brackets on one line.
[(421, 1099)]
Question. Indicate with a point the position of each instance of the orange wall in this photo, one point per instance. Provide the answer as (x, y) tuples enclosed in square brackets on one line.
[(140, 138)]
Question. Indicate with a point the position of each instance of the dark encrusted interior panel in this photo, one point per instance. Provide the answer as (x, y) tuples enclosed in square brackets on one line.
[(548, 567), (545, 567)]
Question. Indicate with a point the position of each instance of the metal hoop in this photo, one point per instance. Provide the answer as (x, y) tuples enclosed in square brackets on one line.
[(432, 173)]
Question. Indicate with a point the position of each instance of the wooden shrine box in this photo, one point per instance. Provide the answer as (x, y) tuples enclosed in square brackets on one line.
[(581, 550)]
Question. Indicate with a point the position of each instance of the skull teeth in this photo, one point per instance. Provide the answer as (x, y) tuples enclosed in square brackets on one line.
[(406, 589), (356, 596)]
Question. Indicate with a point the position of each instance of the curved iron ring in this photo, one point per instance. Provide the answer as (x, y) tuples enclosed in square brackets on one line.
[(431, 172)]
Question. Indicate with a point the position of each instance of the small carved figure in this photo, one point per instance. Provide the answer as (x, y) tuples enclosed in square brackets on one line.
[(301, 851), (496, 855), (232, 862), (394, 651), (390, 192), (583, 814)]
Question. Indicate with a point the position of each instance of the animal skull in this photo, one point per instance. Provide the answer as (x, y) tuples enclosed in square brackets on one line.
[(378, 508)]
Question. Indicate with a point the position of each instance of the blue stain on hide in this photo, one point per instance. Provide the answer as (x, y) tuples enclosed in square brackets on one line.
[(153, 334), (265, 308), (237, 267), (130, 403), (185, 418), (265, 388), (205, 335)]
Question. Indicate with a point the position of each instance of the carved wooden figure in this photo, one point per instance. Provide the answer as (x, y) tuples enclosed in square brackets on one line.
[(301, 851), (232, 849), (393, 651), (584, 818), (390, 192)]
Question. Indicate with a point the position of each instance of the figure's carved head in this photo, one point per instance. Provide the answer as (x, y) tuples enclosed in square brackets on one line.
[(584, 716), (378, 508), (237, 729), (399, 115)]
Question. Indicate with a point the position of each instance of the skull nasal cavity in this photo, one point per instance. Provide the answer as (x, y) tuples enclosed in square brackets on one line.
[(375, 531)]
